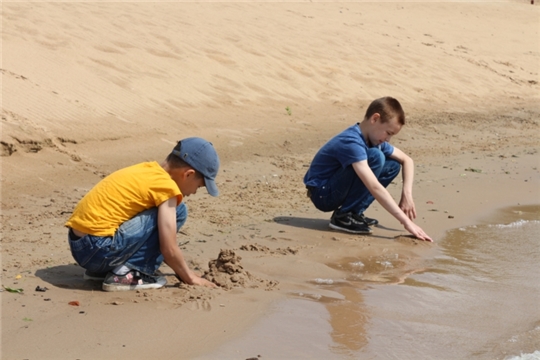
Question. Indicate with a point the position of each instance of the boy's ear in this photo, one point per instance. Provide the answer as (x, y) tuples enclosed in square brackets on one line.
[(190, 172), (375, 117)]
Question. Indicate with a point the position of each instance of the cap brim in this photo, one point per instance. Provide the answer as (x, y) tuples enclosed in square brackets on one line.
[(211, 187)]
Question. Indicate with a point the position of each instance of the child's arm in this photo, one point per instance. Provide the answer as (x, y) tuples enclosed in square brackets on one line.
[(170, 250), (382, 195), (406, 203)]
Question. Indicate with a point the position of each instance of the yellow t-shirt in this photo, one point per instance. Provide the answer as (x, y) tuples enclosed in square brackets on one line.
[(122, 195)]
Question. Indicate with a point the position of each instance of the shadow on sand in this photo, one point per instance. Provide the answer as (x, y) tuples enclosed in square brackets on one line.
[(314, 224), (67, 277), (322, 225), (304, 223)]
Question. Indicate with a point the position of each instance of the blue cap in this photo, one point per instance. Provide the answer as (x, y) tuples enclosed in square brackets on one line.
[(202, 156)]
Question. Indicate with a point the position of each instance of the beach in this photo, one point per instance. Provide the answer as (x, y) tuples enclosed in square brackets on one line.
[(89, 88)]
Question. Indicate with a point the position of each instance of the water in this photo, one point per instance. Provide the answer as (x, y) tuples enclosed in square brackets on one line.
[(477, 298)]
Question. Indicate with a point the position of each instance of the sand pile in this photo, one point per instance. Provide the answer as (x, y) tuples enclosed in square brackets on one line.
[(227, 272)]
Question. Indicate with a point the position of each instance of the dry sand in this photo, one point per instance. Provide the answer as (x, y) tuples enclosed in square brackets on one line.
[(88, 88)]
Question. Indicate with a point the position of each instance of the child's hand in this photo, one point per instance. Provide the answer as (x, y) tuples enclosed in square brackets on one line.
[(203, 282), (417, 231), (406, 204)]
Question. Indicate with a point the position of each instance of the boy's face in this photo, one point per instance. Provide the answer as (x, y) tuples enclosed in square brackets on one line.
[(382, 131)]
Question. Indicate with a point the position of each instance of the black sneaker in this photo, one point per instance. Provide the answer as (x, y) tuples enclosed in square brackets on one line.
[(133, 280), (368, 221), (88, 275), (349, 223)]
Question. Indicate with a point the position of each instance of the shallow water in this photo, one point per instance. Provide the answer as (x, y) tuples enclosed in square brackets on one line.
[(477, 298)]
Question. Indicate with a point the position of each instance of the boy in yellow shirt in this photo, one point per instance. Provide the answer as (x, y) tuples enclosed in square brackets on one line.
[(125, 227)]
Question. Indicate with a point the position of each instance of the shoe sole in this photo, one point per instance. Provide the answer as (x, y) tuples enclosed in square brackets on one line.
[(122, 287), (335, 227)]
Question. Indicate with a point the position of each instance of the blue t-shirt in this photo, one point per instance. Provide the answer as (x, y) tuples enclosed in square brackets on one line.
[(341, 151)]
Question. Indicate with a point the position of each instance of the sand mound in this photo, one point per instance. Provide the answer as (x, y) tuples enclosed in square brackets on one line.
[(227, 272)]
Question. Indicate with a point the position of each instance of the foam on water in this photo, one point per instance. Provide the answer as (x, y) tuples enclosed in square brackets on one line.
[(386, 264), (323, 281), (516, 224), (534, 356)]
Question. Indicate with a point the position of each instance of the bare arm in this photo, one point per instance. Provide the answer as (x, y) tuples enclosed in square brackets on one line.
[(382, 195), (167, 243), (406, 203)]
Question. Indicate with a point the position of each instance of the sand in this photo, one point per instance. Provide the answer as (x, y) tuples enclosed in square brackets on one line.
[(88, 88)]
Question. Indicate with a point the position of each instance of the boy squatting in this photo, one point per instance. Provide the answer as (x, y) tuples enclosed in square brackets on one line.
[(125, 227), (355, 167)]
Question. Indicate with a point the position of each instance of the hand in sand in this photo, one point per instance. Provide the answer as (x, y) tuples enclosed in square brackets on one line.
[(417, 231), (197, 280)]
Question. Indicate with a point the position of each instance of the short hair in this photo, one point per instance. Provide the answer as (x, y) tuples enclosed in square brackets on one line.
[(176, 163), (387, 107)]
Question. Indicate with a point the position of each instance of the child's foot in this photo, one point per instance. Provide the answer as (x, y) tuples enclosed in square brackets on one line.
[(368, 221), (349, 223), (133, 280), (89, 275)]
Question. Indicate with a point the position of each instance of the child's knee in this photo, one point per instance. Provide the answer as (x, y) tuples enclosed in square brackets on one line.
[(375, 156), (394, 165), (392, 168), (181, 215)]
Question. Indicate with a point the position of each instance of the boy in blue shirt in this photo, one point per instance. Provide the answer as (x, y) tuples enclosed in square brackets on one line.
[(355, 167)]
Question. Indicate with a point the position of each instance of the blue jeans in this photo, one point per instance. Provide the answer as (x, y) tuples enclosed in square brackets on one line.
[(135, 244), (345, 192)]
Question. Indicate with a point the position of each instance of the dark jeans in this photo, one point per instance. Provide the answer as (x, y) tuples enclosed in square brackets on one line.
[(135, 244), (345, 192)]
